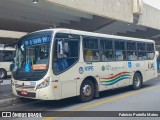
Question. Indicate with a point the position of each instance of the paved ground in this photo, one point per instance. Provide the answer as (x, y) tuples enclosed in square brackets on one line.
[(7, 98), (5, 89), (6, 82), (124, 99)]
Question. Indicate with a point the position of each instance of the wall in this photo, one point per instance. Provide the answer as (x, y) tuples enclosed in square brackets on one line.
[(150, 17), (115, 9)]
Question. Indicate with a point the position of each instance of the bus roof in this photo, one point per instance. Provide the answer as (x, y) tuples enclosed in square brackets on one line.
[(94, 34)]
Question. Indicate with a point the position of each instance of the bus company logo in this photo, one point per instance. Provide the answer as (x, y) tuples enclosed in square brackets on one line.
[(137, 64), (112, 68), (89, 68), (150, 65), (106, 67), (81, 70), (129, 64)]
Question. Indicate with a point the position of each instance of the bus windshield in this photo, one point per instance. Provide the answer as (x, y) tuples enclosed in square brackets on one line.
[(32, 57)]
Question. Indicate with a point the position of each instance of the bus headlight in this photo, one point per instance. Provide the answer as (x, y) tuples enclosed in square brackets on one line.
[(44, 84)]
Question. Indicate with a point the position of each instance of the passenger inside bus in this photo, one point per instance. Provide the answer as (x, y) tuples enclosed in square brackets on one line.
[(42, 59), (119, 55), (96, 56), (88, 55), (60, 61), (103, 57), (131, 56), (107, 56)]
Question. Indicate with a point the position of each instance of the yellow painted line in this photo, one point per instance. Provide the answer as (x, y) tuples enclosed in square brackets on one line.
[(101, 102)]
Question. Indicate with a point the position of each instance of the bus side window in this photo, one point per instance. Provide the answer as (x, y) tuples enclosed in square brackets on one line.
[(150, 51), (141, 51), (119, 55), (131, 51), (66, 52), (91, 51), (131, 55), (106, 47), (8, 56), (120, 50), (107, 56), (142, 56)]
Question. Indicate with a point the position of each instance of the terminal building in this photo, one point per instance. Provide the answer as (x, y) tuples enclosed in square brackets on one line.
[(133, 18)]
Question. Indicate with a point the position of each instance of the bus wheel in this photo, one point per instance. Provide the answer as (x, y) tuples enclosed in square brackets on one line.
[(137, 81), (3, 74), (87, 91)]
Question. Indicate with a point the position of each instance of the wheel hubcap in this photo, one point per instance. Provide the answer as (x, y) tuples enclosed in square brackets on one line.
[(87, 90), (137, 81), (1, 74)]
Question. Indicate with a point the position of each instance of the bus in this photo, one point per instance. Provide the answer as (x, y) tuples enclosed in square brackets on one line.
[(6, 58), (58, 63)]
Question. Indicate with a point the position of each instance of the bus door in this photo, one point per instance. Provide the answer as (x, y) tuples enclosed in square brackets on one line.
[(66, 56)]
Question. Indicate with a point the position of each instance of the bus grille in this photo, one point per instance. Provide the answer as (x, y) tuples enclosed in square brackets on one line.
[(24, 87)]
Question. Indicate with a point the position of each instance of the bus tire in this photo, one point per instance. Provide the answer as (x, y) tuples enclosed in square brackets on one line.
[(137, 81), (3, 73), (87, 91)]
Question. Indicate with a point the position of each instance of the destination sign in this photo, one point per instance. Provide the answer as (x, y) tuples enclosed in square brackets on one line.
[(38, 40)]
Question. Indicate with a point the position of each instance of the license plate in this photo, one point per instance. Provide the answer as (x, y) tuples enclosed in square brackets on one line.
[(24, 92)]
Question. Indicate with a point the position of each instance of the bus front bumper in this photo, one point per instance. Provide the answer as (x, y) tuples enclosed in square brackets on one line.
[(42, 94)]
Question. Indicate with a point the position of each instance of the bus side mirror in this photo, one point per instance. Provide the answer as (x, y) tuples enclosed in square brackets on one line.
[(11, 67)]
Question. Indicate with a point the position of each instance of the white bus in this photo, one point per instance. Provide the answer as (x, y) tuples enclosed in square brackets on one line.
[(6, 58), (59, 63)]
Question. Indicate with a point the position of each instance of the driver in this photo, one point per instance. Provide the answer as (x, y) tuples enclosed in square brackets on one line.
[(41, 58)]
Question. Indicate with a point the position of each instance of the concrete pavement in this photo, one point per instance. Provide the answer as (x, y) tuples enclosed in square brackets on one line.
[(6, 82), (6, 96)]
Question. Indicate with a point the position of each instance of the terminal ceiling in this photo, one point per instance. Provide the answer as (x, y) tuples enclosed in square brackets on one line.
[(24, 16)]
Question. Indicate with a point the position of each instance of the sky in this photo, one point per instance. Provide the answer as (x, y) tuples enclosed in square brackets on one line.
[(154, 3)]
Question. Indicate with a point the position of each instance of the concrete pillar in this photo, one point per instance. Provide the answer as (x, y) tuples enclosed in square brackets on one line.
[(150, 17), (121, 10)]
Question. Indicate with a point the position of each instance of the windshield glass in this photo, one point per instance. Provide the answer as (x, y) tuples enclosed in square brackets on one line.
[(32, 56)]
